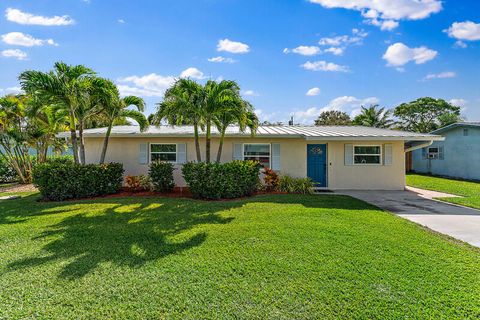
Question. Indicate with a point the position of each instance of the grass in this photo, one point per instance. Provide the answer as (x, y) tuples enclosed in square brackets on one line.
[(468, 190), (275, 256)]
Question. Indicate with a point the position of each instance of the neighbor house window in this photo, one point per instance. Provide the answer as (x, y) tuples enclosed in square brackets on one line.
[(465, 132), (257, 152), (433, 153), (163, 152), (367, 155)]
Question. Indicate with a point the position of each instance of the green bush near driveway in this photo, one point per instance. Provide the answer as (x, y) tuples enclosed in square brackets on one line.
[(161, 175), (222, 180), (61, 180)]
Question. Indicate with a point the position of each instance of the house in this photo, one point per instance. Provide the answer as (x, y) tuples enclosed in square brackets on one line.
[(458, 156), (335, 157)]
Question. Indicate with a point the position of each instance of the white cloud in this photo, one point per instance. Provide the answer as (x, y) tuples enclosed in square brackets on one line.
[(121, 21), (441, 75), (25, 40), (313, 92), (21, 17), (335, 51), (193, 73), (458, 102), (150, 85), (304, 50), (385, 13), (399, 54), (348, 104), (11, 90), (15, 53), (324, 66), (468, 30), (232, 46), (221, 59), (250, 93)]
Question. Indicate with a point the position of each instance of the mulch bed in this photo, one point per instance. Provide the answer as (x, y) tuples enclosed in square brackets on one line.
[(18, 188)]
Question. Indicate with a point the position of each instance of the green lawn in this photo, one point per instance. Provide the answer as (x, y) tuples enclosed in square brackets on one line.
[(278, 256), (469, 190)]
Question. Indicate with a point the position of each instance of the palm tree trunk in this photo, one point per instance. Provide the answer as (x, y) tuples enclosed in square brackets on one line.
[(197, 142), (208, 142), (105, 143), (82, 142), (73, 135), (220, 146)]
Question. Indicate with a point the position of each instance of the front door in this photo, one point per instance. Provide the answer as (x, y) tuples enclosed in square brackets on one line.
[(317, 164)]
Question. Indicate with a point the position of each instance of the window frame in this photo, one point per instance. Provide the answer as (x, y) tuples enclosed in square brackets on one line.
[(437, 153), (150, 151), (365, 154), (259, 143)]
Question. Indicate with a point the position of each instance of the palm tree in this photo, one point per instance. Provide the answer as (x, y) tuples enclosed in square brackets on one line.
[(218, 98), (374, 116), (117, 111), (238, 112), (67, 86), (183, 105)]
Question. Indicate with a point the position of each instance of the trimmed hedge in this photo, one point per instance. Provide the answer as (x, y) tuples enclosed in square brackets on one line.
[(222, 180), (62, 179), (161, 174)]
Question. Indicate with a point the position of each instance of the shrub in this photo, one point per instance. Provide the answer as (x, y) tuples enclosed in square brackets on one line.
[(295, 185), (59, 180), (161, 174), (145, 182), (222, 180), (270, 180), (59, 159), (7, 172), (138, 183)]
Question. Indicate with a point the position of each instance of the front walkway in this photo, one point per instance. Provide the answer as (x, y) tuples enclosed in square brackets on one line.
[(417, 205)]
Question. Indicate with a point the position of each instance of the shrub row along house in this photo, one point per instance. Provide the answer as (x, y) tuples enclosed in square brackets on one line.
[(334, 157)]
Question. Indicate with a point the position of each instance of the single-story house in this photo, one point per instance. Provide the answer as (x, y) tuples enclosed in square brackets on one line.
[(458, 156), (335, 157)]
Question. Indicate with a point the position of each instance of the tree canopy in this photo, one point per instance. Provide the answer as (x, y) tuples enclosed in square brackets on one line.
[(374, 116), (333, 118)]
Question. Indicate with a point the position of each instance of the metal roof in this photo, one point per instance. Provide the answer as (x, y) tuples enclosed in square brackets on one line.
[(455, 125), (306, 132)]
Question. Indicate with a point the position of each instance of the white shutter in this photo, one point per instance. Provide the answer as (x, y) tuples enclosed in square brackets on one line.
[(275, 157), (348, 154), (143, 153), (181, 152), (237, 151), (388, 155)]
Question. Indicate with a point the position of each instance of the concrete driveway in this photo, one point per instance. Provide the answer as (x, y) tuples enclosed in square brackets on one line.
[(417, 205)]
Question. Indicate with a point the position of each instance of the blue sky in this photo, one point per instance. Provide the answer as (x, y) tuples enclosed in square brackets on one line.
[(344, 52)]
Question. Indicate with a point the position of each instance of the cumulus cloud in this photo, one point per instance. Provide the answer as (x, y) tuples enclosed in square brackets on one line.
[(121, 21), (324, 66), (221, 59), (15, 53), (338, 44), (313, 92), (193, 73), (11, 90), (26, 18), (458, 102), (25, 40), (399, 54), (304, 50), (150, 85), (441, 75), (335, 51), (250, 93), (348, 104), (464, 31), (232, 46), (386, 13)]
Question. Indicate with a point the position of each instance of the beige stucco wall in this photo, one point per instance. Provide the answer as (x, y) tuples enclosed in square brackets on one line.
[(292, 158)]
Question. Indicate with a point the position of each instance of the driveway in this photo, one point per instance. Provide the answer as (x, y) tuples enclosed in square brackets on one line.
[(417, 205)]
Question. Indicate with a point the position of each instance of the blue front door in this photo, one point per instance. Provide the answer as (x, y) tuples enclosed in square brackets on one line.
[(317, 164)]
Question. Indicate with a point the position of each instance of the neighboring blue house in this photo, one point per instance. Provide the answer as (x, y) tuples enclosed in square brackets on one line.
[(458, 156)]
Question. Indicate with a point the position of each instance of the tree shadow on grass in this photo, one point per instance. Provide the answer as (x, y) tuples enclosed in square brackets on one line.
[(125, 232)]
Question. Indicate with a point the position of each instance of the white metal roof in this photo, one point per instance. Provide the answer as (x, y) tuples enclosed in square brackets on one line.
[(306, 132)]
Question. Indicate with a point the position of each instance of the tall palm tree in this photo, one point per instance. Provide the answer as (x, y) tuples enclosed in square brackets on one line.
[(374, 116), (68, 88), (183, 105), (238, 112), (218, 98), (117, 111)]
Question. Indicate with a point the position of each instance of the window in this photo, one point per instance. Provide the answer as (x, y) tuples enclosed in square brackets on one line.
[(257, 152), (367, 155), (433, 153), (163, 152)]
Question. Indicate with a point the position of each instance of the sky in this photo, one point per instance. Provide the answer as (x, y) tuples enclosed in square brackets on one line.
[(290, 57)]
